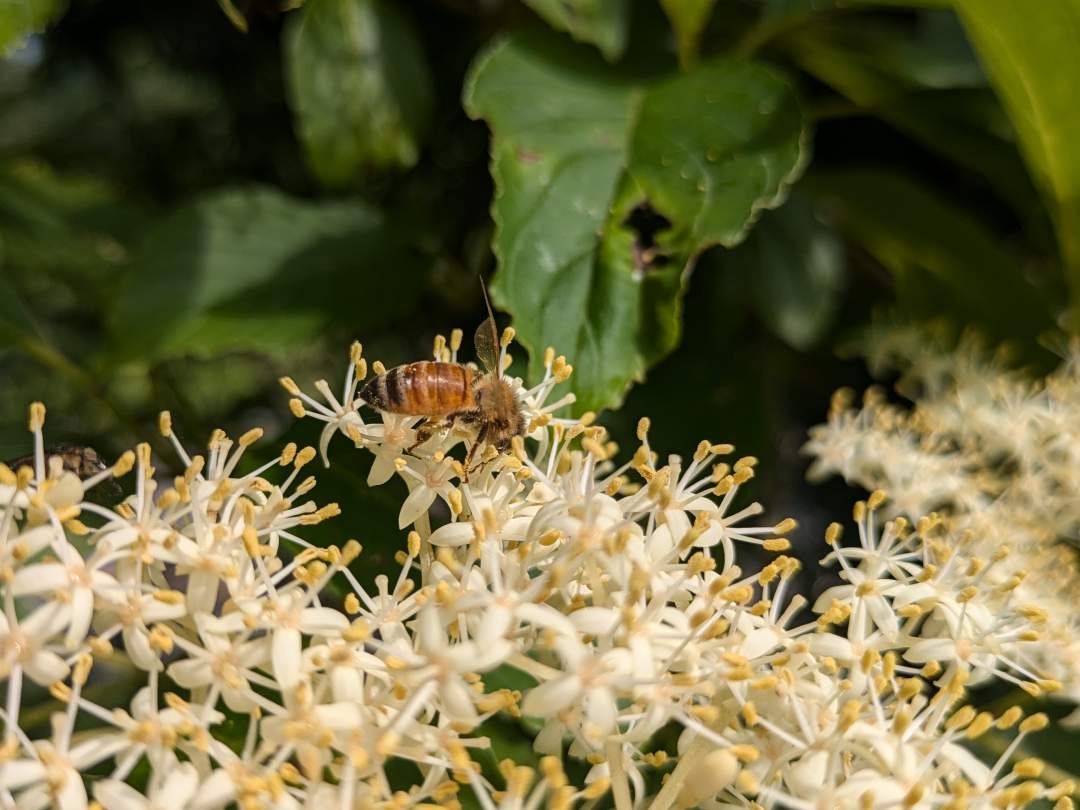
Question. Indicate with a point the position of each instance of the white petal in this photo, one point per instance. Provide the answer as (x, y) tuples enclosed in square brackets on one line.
[(453, 535), (46, 621), (832, 645), (601, 711), (202, 591), (67, 491), (286, 656), (551, 697), (322, 621), (931, 649), (36, 539), (137, 645), (215, 792), (41, 578), (758, 642), (430, 636), (191, 672), (457, 701), (72, 795), (976, 771), (418, 502), (82, 613), (494, 625), (883, 616), (179, 786), (339, 716), (18, 773), (549, 740), (597, 621), (381, 469), (115, 795), (546, 617), (89, 752), (46, 668), (347, 684)]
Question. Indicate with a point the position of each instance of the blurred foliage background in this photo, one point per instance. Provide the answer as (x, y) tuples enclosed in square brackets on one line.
[(707, 197)]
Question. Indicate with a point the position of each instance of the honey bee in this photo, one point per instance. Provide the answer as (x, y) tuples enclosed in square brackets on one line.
[(450, 392)]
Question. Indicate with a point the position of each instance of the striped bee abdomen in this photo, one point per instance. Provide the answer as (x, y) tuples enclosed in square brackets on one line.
[(426, 388)]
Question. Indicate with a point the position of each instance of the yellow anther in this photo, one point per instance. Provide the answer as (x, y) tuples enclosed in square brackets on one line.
[(37, 416), (124, 464), (250, 437)]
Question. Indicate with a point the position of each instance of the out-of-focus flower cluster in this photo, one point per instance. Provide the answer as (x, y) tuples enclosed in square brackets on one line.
[(986, 450), (610, 595)]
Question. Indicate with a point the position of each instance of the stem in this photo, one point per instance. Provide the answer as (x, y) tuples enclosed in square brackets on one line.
[(673, 786), (423, 527), (620, 786)]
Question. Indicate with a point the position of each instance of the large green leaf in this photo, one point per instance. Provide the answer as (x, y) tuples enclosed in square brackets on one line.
[(792, 266), (603, 23), (358, 85), (19, 18), (236, 264), (587, 162), (944, 260), (1030, 51)]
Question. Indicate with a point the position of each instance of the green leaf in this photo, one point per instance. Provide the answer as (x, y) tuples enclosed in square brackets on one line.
[(1030, 51), (61, 228), (688, 19), (15, 320), (944, 261), (792, 265), (359, 87), (928, 87), (240, 267), (603, 23), (586, 161), (712, 147), (20, 18)]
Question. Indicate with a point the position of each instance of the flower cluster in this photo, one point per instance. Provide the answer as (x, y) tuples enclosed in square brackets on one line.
[(608, 593), (990, 451)]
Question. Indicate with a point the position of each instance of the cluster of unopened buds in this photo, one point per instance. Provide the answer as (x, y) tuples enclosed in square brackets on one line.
[(608, 594)]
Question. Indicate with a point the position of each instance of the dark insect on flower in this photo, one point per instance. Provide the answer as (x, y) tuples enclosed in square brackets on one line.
[(79, 459)]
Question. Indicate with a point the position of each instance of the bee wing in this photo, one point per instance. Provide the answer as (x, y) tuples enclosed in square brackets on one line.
[(487, 345), (486, 339)]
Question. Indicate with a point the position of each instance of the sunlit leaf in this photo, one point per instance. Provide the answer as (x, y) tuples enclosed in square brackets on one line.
[(587, 164), (358, 85), (1030, 51), (20, 18), (603, 23), (688, 19), (239, 263)]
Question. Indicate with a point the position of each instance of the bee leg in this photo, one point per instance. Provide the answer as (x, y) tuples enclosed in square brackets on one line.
[(428, 428), (480, 439)]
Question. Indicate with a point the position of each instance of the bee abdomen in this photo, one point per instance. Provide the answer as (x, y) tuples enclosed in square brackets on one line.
[(426, 388)]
